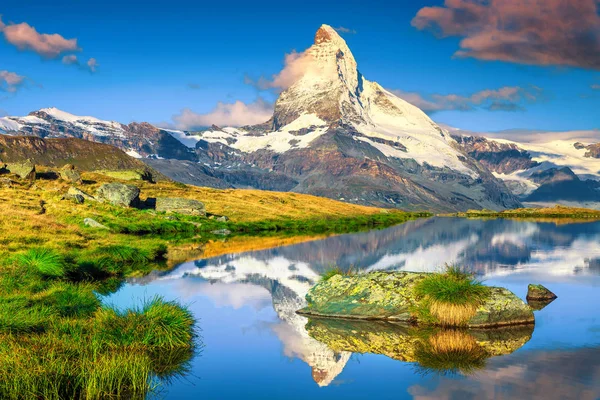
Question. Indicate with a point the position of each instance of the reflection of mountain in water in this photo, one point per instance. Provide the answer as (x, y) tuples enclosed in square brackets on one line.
[(288, 283), (489, 247), (536, 374)]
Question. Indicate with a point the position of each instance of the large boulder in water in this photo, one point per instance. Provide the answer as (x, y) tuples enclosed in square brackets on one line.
[(180, 206), (25, 170), (119, 194), (391, 296)]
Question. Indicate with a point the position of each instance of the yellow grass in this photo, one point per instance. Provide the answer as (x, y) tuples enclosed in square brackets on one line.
[(23, 225), (452, 314)]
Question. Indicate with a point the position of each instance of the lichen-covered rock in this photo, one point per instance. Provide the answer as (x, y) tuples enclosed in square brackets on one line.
[(119, 194), (390, 296), (539, 292), (25, 170), (70, 174), (180, 206)]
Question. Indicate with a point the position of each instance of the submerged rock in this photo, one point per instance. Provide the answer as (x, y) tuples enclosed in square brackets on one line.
[(25, 170), (539, 292), (70, 174), (119, 194), (180, 206), (390, 296)]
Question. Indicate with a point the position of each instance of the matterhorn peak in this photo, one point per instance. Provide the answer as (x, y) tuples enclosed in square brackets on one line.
[(327, 34)]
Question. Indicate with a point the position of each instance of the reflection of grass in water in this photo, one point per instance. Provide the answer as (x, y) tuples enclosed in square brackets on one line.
[(450, 352), (451, 297)]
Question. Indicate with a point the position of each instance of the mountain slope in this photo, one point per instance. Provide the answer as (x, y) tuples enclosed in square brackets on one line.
[(541, 172), (58, 152)]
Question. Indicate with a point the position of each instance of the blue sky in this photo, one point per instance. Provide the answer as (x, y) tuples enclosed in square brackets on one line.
[(155, 59)]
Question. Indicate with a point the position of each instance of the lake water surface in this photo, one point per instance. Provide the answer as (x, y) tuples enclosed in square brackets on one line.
[(257, 347)]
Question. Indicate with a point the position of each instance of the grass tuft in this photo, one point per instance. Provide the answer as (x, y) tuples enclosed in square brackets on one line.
[(45, 261), (451, 297)]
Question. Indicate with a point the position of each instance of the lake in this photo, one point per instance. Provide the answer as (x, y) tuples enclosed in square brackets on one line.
[(256, 347)]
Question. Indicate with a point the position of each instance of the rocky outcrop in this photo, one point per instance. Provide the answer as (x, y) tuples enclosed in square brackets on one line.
[(24, 170), (119, 194), (390, 296), (69, 173), (180, 206), (503, 158)]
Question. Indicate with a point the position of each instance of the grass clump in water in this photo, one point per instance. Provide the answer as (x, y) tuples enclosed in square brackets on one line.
[(45, 261), (451, 297)]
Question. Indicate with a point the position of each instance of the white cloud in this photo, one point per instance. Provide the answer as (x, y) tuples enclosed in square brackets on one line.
[(226, 114), (10, 81)]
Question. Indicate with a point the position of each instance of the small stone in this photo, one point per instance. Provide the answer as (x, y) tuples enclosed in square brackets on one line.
[(539, 292), (119, 194), (70, 174), (221, 232), (73, 191), (94, 224), (222, 219), (180, 206), (6, 182)]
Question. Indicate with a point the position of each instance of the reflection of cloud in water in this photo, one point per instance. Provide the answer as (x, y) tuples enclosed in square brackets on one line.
[(548, 375), (425, 259), (234, 295)]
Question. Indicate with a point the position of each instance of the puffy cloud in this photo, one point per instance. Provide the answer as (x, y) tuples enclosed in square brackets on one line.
[(70, 60), (10, 81), (26, 37), (507, 98), (226, 114), (343, 29), (538, 32), (296, 65), (92, 64)]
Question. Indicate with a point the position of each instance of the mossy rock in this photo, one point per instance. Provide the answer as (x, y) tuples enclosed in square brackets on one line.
[(129, 175), (24, 170), (539, 293), (391, 296)]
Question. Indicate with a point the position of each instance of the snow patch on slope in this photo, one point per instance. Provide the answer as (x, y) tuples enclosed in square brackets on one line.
[(558, 153)]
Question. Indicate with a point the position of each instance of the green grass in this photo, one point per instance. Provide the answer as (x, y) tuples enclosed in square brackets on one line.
[(45, 261), (335, 270), (453, 286), (109, 353)]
